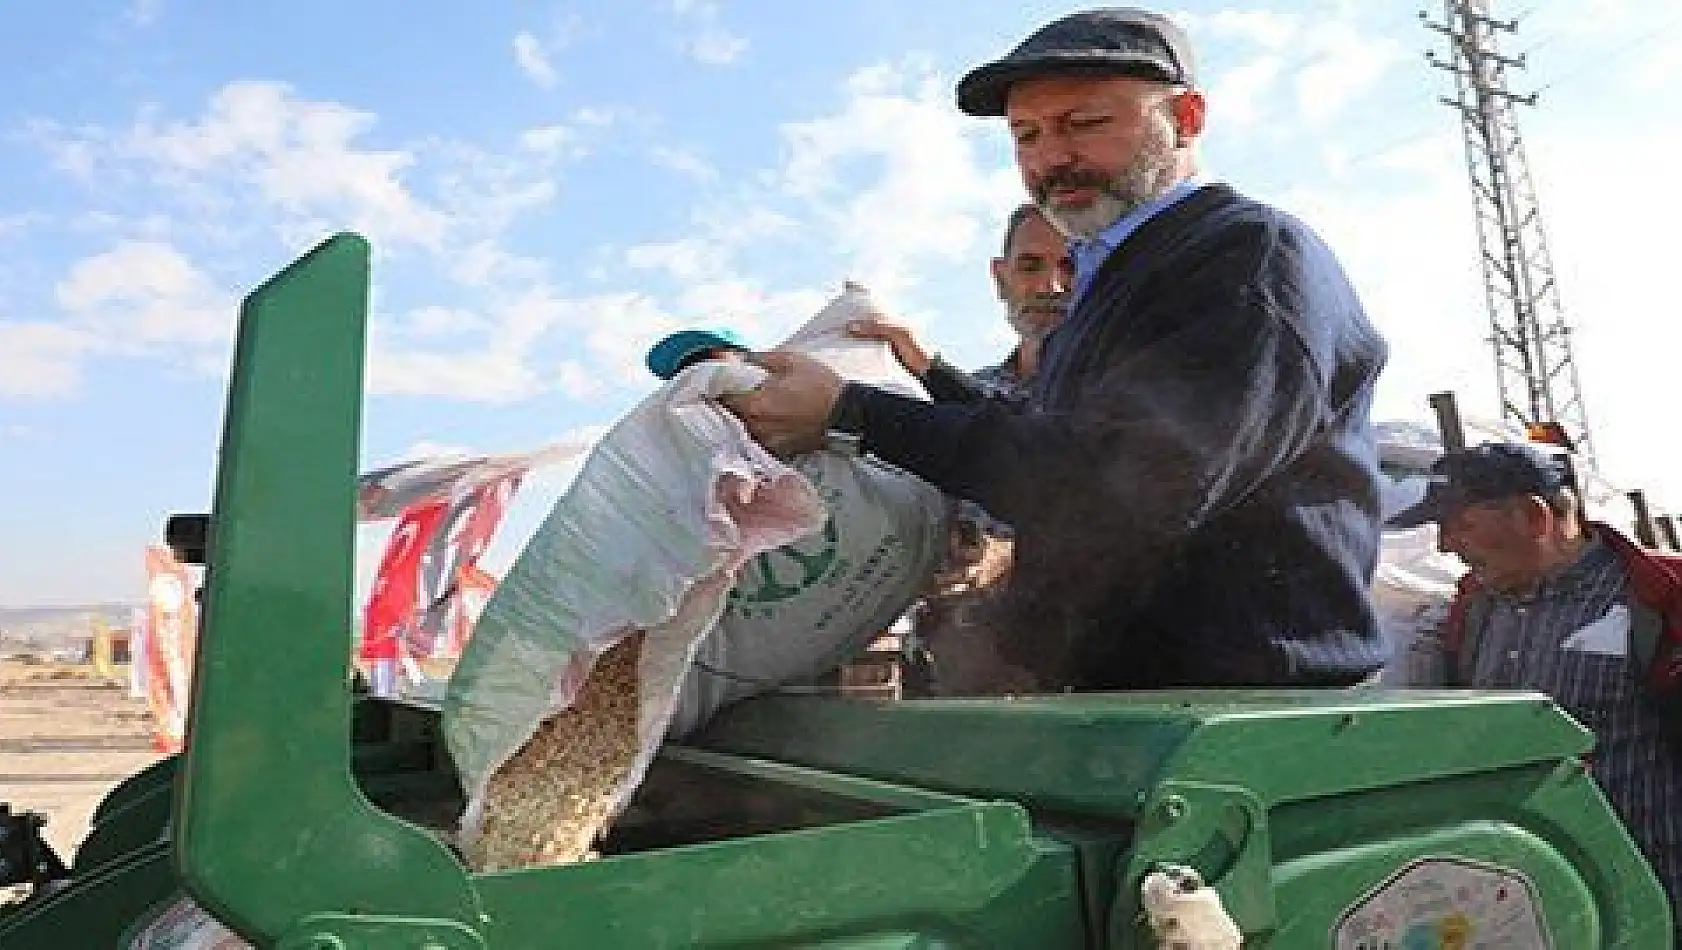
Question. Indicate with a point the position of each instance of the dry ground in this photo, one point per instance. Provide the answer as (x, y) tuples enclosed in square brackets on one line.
[(67, 738)]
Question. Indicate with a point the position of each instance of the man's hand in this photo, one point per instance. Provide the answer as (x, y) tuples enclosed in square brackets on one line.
[(907, 350), (787, 413)]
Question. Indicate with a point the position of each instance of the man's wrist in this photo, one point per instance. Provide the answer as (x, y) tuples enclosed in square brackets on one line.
[(846, 416), (925, 361)]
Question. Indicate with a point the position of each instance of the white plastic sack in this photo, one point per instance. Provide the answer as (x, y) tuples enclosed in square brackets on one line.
[(670, 507), (803, 609)]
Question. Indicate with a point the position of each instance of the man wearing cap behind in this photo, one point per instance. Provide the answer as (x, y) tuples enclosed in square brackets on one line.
[(1194, 479), (1570, 608)]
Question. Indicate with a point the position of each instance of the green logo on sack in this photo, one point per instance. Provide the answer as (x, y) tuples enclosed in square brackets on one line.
[(780, 574)]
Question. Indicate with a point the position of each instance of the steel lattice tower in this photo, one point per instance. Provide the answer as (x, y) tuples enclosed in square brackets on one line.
[(1536, 375)]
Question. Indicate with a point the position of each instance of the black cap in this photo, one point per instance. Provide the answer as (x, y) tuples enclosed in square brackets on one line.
[(1489, 472), (1117, 41)]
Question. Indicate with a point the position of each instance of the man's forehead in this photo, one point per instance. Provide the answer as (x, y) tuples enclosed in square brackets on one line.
[(1032, 99), (1036, 236)]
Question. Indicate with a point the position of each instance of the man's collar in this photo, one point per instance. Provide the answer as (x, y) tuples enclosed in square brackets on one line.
[(1565, 576), (1090, 253), (1111, 237)]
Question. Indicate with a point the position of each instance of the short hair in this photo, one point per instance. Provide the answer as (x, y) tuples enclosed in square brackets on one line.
[(1563, 502), (1018, 216)]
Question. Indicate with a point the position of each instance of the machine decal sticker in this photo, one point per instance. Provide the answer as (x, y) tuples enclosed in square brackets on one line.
[(1446, 904)]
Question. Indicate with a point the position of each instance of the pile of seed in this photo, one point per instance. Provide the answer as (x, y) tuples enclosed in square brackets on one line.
[(551, 801)]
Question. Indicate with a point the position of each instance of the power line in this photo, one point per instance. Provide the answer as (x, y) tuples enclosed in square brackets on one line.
[(1593, 60), (1597, 60)]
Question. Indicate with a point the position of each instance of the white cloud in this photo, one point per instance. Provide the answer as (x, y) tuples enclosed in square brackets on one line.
[(718, 47), (595, 116), (263, 170), (443, 321), (1290, 65), (1407, 238), (616, 330), (143, 294), (144, 13), (42, 360), (1238, 96), (257, 139), (12, 225), (577, 382), (685, 259), (709, 41), (927, 194), (548, 139), (533, 60), (884, 186), (497, 360), (1345, 64), (685, 162), (495, 375)]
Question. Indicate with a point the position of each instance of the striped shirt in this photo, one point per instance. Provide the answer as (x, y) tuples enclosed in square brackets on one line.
[(1001, 379), (1569, 638)]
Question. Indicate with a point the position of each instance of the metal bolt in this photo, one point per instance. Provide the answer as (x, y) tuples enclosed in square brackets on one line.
[(1173, 808)]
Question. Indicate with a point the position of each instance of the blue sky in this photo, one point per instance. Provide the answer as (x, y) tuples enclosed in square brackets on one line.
[(551, 186)]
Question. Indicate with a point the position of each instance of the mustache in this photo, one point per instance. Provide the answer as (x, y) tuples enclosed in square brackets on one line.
[(1072, 178), (1048, 303)]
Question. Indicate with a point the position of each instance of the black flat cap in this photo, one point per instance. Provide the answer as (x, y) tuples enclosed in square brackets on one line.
[(1117, 41), (1489, 472)]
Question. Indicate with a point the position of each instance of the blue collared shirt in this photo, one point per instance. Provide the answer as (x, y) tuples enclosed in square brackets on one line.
[(1089, 253)]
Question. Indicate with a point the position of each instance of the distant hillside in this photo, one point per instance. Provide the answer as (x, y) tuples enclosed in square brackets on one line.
[(55, 628)]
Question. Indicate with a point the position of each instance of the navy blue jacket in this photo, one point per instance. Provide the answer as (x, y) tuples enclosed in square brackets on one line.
[(1194, 479)]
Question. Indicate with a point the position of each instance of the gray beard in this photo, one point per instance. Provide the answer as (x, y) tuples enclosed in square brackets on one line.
[(1146, 178), (1026, 329)]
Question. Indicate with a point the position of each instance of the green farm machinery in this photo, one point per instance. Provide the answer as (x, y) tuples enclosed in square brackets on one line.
[(306, 815)]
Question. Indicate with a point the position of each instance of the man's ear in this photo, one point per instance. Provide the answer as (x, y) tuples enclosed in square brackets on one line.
[(998, 268), (1189, 110), (1539, 517)]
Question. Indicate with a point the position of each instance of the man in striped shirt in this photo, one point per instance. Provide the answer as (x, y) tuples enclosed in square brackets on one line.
[(1548, 606)]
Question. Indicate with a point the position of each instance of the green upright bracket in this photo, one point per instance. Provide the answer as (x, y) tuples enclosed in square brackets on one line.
[(1219, 830), (270, 826)]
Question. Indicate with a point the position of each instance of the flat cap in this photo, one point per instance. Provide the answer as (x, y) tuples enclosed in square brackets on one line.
[(1116, 41), (1489, 472)]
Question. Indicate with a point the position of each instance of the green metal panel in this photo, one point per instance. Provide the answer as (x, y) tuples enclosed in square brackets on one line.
[(1073, 754), (1237, 784), (96, 909), (270, 826), (139, 822), (970, 876), (1101, 754), (140, 785)]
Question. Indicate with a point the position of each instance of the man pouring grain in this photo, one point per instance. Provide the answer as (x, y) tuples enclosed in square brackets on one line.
[(1193, 480)]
